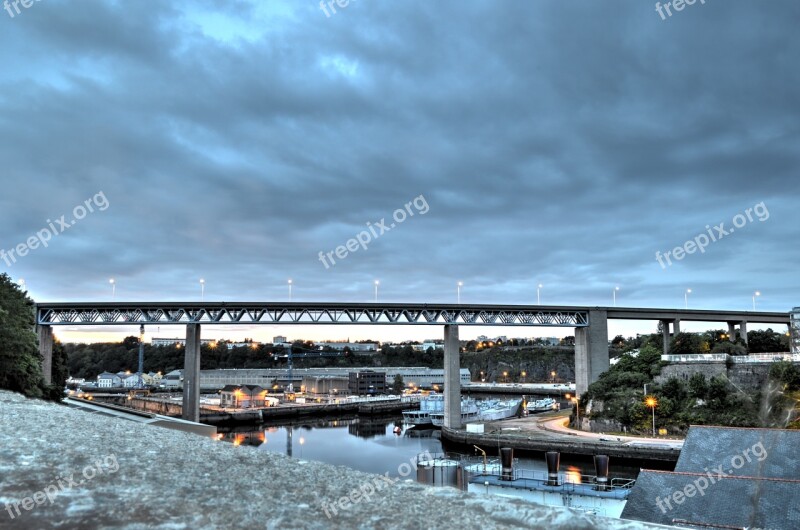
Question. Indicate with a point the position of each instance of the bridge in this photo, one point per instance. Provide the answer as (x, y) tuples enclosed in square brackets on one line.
[(590, 325)]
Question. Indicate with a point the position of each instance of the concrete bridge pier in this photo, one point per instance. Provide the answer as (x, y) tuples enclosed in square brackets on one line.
[(452, 378), (46, 351), (743, 330), (731, 331), (591, 350), (191, 374)]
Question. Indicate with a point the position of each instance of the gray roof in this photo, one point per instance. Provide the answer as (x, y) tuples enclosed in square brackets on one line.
[(735, 501), (748, 478), (769, 453)]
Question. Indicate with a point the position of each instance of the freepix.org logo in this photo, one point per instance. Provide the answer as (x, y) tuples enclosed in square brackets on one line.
[(54, 228)]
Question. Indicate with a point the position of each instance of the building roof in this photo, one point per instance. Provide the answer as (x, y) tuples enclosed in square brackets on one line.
[(739, 502), (769, 453), (747, 477)]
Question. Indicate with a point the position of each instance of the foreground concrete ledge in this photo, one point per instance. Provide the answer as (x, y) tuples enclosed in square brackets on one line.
[(104, 472)]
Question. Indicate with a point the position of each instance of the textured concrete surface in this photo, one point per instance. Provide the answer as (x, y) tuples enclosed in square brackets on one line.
[(64, 468)]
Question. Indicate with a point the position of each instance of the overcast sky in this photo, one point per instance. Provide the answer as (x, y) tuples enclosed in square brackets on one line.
[(561, 143)]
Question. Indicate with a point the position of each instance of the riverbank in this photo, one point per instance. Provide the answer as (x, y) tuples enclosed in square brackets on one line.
[(538, 434), (64, 468)]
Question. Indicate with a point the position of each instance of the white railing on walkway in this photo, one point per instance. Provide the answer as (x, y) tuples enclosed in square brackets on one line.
[(739, 359)]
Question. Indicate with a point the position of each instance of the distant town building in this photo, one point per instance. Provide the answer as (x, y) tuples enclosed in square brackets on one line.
[(280, 339), (795, 330), (425, 345), (413, 377), (367, 382), (325, 384), (243, 396), (353, 346), (173, 380), (108, 380), (160, 341)]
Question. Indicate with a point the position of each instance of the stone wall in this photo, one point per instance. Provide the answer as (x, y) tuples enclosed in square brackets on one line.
[(746, 376)]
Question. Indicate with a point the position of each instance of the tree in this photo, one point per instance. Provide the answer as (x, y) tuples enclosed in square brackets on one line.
[(568, 341), (698, 387), (398, 385), (20, 362), (766, 341), (684, 343)]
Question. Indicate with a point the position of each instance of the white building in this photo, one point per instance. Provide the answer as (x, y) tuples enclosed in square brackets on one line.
[(108, 380), (280, 339), (354, 346)]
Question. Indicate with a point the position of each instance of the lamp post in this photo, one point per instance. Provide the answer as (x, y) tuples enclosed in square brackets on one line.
[(538, 299), (686, 298), (757, 293), (577, 402), (652, 402), (524, 374), (202, 290), (377, 283), (290, 289), (113, 283), (458, 291), (505, 376), (553, 376), (614, 293)]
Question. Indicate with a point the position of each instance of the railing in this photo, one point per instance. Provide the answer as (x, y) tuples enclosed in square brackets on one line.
[(739, 359), (765, 358), (693, 358)]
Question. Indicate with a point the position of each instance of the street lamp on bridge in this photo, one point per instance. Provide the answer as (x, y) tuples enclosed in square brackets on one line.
[(757, 293), (289, 281), (614, 293), (538, 299), (686, 298), (202, 290), (113, 283), (458, 291), (377, 283)]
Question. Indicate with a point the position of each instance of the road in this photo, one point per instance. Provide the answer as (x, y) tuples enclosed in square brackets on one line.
[(555, 427)]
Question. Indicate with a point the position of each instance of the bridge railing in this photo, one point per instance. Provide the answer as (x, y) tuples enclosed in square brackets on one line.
[(738, 359), (696, 358)]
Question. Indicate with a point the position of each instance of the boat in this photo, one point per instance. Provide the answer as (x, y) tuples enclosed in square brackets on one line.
[(498, 409), (542, 405), (469, 412), (484, 410), (427, 405)]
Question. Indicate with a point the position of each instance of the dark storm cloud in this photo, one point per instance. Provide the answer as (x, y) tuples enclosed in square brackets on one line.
[(555, 143)]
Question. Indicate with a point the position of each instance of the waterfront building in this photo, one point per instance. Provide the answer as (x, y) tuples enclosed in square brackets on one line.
[(108, 380), (243, 396), (367, 382), (413, 377), (325, 384)]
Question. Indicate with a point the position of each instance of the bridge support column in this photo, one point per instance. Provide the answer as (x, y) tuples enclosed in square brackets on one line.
[(665, 335), (591, 351), (731, 331), (46, 351), (743, 330), (191, 374), (452, 378), (676, 326)]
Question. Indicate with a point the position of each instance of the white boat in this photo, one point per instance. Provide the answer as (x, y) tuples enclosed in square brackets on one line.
[(484, 410), (542, 405), (498, 409), (427, 405), (469, 412)]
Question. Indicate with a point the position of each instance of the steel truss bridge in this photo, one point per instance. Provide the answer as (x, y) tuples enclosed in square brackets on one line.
[(127, 314)]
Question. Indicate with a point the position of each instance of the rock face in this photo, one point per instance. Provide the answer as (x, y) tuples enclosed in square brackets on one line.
[(66, 468)]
